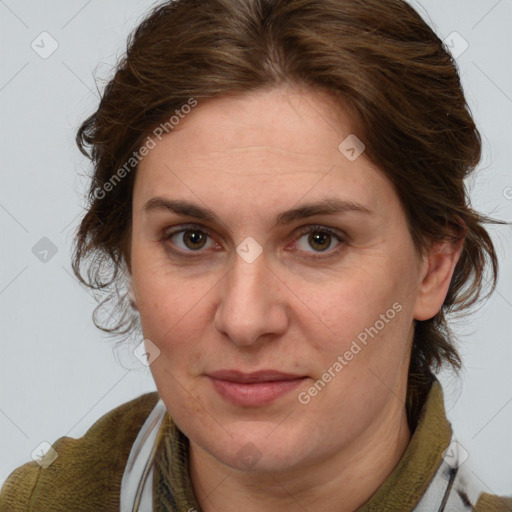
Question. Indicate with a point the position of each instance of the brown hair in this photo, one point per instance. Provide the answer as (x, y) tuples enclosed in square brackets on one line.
[(377, 57)]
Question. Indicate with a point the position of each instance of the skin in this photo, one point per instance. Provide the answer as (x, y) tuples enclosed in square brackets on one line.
[(249, 158)]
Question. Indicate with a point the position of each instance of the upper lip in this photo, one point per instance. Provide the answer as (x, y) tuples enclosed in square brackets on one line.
[(258, 376)]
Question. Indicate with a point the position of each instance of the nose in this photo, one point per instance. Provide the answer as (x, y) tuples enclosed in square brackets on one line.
[(252, 303)]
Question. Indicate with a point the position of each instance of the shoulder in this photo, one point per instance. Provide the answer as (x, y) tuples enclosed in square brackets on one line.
[(87, 473), (488, 503)]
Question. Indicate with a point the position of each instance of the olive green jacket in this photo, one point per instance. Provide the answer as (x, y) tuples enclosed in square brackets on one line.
[(87, 474)]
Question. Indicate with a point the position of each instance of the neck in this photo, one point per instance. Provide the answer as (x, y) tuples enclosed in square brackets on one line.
[(343, 482)]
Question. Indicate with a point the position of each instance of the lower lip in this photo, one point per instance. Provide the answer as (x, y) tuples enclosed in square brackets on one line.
[(254, 394)]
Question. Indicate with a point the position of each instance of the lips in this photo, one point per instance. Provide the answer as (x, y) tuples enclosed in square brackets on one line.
[(253, 389), (259, 376)]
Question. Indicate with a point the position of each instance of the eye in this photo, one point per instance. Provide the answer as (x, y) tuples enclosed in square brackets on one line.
[(189, 239), (321, 239), (193, 239)]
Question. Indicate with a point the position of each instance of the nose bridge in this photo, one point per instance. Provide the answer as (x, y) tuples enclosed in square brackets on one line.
[(248, 273), (250, 304), (246, 280)]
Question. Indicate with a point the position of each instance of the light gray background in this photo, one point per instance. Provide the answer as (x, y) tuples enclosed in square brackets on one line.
[(59, 373)]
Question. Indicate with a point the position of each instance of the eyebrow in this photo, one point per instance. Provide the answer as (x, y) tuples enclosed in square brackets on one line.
[(327, 206)]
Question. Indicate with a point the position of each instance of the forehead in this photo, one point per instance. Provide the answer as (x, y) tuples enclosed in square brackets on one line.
[(264, 147), (281, 120)]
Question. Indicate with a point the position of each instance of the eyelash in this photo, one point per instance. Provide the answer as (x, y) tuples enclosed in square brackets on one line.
[(340, 236)]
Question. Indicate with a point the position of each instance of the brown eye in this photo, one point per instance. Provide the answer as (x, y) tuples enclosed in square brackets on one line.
[(188, 240), (319, 240), (194, 239), (313, 241)]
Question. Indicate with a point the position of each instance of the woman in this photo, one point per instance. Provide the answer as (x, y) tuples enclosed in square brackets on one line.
[(279, 199)]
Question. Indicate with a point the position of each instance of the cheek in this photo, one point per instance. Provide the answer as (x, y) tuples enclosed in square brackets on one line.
[(346, 304), (159, 293), (170, 307), (361, 316), (175, 309)]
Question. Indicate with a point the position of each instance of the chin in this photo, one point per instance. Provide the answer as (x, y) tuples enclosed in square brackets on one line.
[(253, 450)]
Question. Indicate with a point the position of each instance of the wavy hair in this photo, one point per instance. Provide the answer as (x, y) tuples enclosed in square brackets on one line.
[(379, 58)]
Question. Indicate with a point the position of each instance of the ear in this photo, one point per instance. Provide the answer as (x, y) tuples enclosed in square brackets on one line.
[(437, 272)]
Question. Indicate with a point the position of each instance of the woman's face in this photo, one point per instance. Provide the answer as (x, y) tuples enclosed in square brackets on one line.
[(268, 283)]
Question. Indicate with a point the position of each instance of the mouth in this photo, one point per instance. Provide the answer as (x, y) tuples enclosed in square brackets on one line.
[(253, 389)]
